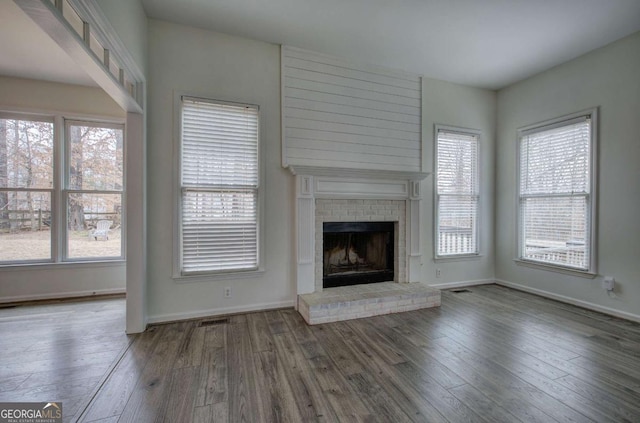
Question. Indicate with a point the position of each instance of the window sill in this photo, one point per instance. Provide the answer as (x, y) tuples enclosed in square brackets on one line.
[(22, 267), (565, 270), (461, 257), (212, 277)]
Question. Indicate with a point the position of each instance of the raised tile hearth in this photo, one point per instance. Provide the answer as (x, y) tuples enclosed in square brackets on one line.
[(357, 301)]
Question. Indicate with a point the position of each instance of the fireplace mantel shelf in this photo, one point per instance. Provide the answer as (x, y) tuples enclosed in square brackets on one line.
[(356, 173)]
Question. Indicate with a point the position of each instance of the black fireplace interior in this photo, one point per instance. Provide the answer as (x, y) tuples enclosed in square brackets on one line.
[(357, 252)]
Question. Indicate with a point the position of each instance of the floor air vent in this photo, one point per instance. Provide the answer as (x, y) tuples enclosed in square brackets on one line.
[(213, 322), (459, 291)]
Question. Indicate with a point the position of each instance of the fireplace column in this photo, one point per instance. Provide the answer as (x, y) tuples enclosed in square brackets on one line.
[(414, 253), (305, 234)]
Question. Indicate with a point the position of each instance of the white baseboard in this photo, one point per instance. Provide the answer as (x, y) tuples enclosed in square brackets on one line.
[(62, 295), (461, 284), (174, 317), (572, 301)]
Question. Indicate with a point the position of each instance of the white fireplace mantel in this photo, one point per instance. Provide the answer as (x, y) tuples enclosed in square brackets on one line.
[(327, 183), (357, 173)]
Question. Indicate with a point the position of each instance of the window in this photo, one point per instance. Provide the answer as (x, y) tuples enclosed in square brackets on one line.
[(26, 188), (93, 194), (457, 192), (43, 221), (556, 174), (219, 187)]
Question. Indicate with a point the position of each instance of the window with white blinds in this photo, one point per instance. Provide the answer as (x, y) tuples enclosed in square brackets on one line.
[(457, 192), (219, 184), (555, 192)]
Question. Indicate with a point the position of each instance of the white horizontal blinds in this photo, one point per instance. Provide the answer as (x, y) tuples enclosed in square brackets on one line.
[(341, 114), (555, 169), (556, 160), (219, 230), (457, 193), (219, 186), (219, 145)]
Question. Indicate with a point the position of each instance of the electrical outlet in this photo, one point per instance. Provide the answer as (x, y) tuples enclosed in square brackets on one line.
[(227, 292), (438, 272), (608, 283)]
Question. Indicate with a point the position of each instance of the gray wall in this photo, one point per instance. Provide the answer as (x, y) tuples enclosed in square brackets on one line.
[(128, 19), (450, 104), (610, 79), (192, 61)]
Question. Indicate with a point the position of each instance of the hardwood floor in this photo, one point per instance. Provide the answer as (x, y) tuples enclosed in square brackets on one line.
[(60, 351), (488, 355)]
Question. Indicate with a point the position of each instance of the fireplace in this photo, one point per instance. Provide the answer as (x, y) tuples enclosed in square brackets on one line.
[(352, 229), (357, 253), (342, 198)]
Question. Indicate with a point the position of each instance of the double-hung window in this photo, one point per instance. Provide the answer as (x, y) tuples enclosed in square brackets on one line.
[(61, 189), (457, 192), (556, 195), (219, 187)]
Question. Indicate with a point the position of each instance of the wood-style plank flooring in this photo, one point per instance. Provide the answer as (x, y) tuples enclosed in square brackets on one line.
[(488, 355), (60, 351)]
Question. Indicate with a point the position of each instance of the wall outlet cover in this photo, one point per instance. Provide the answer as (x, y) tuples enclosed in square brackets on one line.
[(608, 283)]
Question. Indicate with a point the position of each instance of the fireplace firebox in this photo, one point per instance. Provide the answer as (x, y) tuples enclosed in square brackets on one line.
[(357, 253)]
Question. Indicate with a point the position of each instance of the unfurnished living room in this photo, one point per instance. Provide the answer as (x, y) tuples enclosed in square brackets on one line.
[(339, 211)]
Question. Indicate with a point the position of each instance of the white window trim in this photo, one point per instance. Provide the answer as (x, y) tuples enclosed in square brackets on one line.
[(209, 276), (58, 239), (463, 256), (84, 264), (591, 272)]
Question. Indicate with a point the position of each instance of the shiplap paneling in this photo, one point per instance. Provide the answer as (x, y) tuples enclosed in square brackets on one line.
[(338, 114)]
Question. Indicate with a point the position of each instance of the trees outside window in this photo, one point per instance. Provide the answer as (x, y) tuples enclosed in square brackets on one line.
[(46, 180), (26, 188), (94, 184)]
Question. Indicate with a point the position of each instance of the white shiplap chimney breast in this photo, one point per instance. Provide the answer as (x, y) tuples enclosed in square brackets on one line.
[(340, 117)]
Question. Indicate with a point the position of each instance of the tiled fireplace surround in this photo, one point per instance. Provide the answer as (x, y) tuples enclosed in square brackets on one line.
[(329, 210), (327, 198)]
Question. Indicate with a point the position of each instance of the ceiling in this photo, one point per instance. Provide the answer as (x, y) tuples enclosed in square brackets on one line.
[(28, 52), (483, 43)]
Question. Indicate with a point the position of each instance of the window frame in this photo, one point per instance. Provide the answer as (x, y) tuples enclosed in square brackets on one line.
[(58, 205), (179, 276), (436, 196), (592, 195)]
